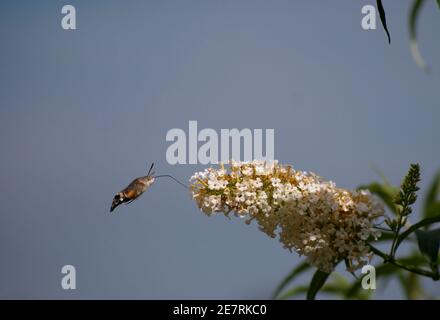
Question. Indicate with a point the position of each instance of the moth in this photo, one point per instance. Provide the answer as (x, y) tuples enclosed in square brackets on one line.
[(137, 187)]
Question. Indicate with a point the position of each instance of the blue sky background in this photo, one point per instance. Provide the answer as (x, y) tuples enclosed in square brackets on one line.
[(83, 112)]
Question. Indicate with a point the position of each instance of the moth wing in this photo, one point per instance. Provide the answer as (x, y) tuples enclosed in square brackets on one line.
[(131, 192)]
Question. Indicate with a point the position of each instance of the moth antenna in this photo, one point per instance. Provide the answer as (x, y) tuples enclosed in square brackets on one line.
[(151, 168), (170, 176)]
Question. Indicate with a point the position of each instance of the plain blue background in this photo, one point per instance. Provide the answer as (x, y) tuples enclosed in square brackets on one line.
[(83, 112)]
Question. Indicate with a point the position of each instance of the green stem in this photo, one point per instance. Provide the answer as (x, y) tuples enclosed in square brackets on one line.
[(415, 227), (387, 258), (396, 235)]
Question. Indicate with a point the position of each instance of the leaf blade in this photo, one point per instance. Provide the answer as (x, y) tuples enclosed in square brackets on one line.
[(383, 18), (289, 278), (318, 280), (429, 243), (384, 271), (431, 197), (414, 46), (293, 292), (433, 211), (414, 227)]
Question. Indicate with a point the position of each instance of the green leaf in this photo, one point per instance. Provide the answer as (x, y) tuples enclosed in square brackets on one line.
[(294, 292), (318, 280), (337, 286), (384, 191), (431, 197), (384, 271), (383, 18), (411, 285), (381, 271), (328, 288), (339, 280), (414, 260), (433, 211), (423, 223), (292, 275), (337, 290), (413, 17), (438, 2), (429, 243)]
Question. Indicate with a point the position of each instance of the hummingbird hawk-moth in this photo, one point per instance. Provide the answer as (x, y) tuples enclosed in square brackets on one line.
[(136, 188)]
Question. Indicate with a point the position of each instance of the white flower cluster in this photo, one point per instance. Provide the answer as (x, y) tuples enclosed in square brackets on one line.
[(310, 215)]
